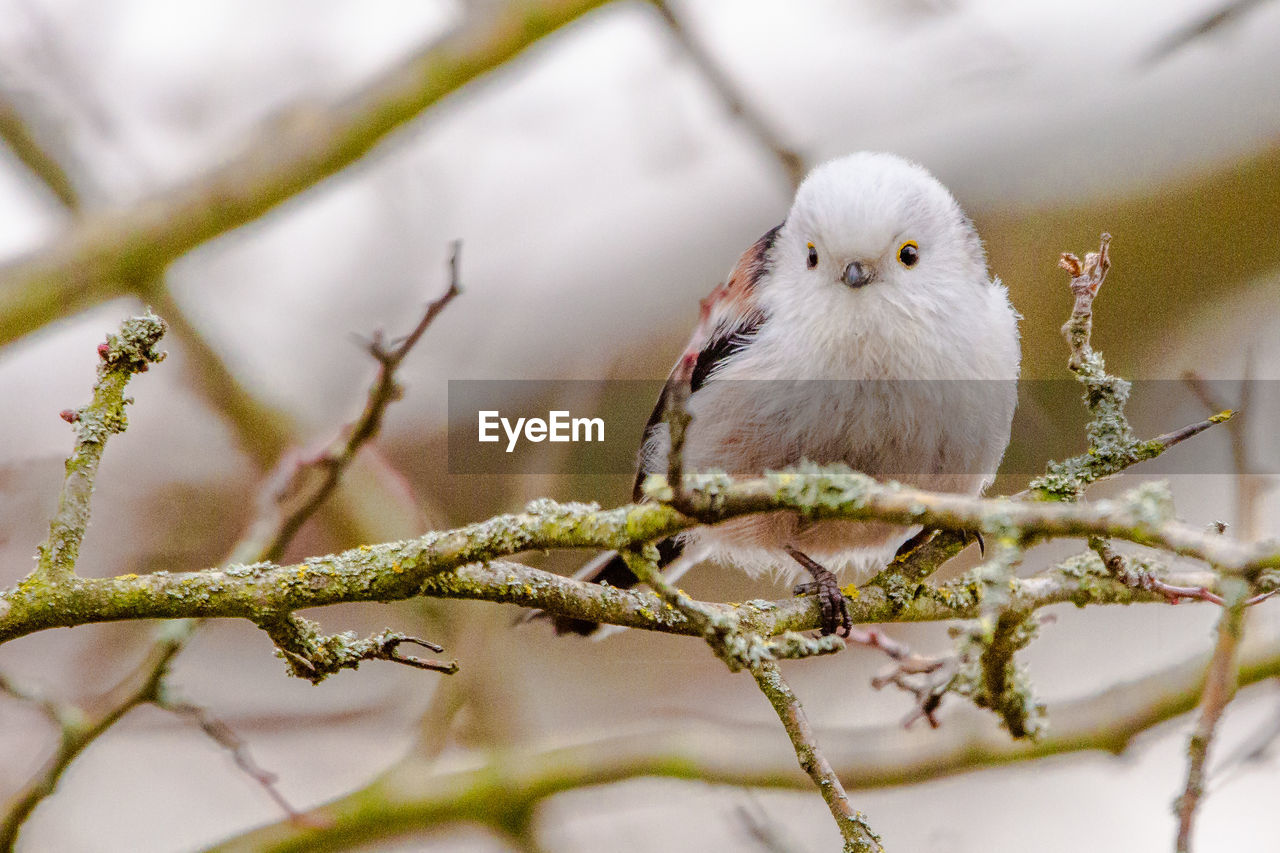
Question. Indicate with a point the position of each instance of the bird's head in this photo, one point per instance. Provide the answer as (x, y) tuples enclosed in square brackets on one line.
[(874, 229)]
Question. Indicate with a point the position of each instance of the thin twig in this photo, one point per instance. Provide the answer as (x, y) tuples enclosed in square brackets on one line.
[(792, 163), (1196, 29), (302, 493), (1177, 436), (857, 835), (1138, 578), (1251, 484), (120, 357), (221, 734), (22, 140), (758, 828), (139, 687), (1219, 688)]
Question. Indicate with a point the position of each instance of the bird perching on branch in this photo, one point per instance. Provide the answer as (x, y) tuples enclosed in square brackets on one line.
[(864, 329)]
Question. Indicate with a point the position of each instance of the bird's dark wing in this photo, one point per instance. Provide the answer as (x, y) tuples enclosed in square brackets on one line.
[(730, 316)]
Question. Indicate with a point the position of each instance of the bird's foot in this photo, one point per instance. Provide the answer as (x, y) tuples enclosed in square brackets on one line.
[(835, 610)]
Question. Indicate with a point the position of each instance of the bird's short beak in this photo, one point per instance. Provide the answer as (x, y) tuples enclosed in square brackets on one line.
[(856, 275)]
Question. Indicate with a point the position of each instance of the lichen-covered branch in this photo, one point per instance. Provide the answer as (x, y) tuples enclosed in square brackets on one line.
[(990, 675), (430, 565), (736, 644), (1112, 444), (132, 351), (857, 834), (315, 656), (106, 253)]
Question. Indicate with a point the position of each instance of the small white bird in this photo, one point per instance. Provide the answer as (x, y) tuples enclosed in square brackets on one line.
[(864, 329)]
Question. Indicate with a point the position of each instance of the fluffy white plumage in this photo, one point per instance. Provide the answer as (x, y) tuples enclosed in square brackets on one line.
[(881, 376), (864, 329)]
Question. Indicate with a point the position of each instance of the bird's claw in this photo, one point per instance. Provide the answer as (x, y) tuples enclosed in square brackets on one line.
[(836, 618)]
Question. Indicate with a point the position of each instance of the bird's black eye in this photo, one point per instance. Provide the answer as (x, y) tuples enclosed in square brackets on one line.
[(813, 256), (909, 253)]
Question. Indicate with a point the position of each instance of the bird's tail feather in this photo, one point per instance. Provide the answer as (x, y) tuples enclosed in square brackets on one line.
[(610, 568)]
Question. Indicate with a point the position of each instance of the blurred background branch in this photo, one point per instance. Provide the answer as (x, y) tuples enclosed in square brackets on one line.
[(420, 795), (113, 251)]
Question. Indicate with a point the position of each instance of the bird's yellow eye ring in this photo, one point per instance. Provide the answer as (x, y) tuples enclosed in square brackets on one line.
[(813, 256), (909, 253)]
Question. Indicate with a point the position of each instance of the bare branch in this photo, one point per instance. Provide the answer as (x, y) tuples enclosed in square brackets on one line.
[(857, 835), (23, 142), (758, 828), (221, 734), (77, 731), (1219, 689), (309, 483)]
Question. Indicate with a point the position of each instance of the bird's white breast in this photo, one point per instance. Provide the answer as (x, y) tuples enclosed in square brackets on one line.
[(872, 389)]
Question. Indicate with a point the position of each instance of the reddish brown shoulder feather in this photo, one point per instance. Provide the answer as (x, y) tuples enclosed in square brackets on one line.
[(728, 317), (732, 305)]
